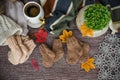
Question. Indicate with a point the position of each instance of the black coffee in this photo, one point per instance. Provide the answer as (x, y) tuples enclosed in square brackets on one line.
[(32, 10)]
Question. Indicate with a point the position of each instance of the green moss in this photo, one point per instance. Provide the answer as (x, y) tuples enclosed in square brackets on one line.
[(97, 16)]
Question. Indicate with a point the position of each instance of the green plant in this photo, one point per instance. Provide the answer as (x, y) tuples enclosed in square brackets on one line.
[(97, 16)]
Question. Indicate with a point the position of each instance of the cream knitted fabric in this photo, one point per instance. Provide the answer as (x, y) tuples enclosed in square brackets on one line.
[(20, 49), (15, 12), (15, 52), (7, 29)]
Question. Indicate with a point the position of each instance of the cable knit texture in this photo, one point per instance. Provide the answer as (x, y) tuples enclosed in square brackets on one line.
[(14, 10), (8, 28), (21, 48)]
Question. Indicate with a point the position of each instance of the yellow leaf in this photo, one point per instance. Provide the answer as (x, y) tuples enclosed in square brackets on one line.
[(63, 41), (91, 60), (61, 36), (86, 67), (92, 66), (82, 65), (66, 34), (85, 30), (70, 34)]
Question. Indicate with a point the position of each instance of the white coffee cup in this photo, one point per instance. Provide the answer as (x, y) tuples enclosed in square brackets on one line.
[(33, 19)]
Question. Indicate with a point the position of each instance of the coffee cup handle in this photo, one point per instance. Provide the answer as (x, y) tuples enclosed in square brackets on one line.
[(42, 20)]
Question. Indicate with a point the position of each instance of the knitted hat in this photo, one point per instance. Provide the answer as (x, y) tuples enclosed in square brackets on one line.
[(7, 29)]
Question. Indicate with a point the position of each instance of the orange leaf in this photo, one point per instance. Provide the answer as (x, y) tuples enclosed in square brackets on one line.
[(92, 66), (66, 34), (85, 30), (88, 65), (70, 34)]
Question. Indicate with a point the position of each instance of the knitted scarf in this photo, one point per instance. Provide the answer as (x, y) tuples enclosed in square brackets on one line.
[(59, 14)]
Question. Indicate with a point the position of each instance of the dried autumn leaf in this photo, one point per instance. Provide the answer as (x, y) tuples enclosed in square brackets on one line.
[(85, 30), (66, 34), (88, 65)]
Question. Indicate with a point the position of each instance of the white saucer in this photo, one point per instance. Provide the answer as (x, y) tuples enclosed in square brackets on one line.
[(34, 25)]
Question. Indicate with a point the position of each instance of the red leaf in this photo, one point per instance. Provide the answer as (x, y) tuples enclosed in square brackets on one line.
[(41, 36), (34, 64)]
